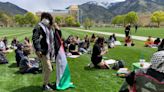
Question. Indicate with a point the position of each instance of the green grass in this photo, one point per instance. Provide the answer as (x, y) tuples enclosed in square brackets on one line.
[(85, 80), (155, 32)]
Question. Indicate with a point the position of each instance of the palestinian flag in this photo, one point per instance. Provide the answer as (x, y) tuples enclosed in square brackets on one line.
[(63, 76)]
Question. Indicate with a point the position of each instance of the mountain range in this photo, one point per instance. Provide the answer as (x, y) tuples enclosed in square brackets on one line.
[(100, 11), (11, 9), (103, 11)]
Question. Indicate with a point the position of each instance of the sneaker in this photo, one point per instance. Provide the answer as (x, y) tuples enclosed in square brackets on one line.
[(52, 86), (47, 88)]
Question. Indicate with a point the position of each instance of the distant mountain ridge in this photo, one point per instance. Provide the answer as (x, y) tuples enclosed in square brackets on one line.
[(140, 6), (104, 11), (11, 9)]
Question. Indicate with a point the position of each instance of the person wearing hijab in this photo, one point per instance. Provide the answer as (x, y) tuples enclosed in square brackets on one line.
[(156, 70), (161, 46)]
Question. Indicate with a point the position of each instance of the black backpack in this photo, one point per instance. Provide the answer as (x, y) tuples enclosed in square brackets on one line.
[(3, 60), (119, 64)]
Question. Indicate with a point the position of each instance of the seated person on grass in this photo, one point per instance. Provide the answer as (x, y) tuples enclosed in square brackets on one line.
[(129, 41), (27, 43), (19, 53), (14, 43), (156, 71), (84, 46), (2, 46), (72, 47), (27, 66), (149, 42), (161, 46), (98, 53), (157, 42), (93, 38), (5, 42), (111, 41)]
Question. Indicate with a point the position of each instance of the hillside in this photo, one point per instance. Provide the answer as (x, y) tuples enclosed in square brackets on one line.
[(11, 9), (102, 12)]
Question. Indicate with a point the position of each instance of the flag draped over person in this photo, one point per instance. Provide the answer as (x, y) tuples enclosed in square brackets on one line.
[(63, 77)]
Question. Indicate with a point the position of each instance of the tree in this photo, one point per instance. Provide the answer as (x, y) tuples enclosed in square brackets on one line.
[(58, 19), (70, 20), (6, 19), (120, 19), (131, 17), (88, 23), (30, 19), (19, 19), (157, 17)]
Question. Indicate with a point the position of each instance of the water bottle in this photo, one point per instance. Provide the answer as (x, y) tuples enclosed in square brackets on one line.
[(142, 61)]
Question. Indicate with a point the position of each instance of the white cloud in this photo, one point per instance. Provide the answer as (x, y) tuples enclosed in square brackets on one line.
[(47, 5)]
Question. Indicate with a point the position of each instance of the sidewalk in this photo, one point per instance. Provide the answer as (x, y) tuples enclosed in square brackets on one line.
[(141, 38)]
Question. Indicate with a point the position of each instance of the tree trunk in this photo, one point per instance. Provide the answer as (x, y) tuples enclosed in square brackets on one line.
[(158, 24)]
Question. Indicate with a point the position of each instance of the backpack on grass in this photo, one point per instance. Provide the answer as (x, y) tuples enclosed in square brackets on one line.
[(119, 64)]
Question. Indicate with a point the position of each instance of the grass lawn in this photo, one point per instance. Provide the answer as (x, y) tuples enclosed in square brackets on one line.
[(85, 80), (154, 32)]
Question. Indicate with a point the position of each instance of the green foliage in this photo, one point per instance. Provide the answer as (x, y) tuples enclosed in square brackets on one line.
[(77, 24), (120, 19), (70, 21), (88, 23), (131, 17), (27, 19), (6, 19), (19, 19), (59, 19), (157, 17), (30, 18)]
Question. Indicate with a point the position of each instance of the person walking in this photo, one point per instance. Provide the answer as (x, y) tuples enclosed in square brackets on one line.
[(136, 28)]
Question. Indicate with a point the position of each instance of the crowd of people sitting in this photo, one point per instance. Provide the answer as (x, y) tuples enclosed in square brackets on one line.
[(73, 45), (150, 42), (22, 51)]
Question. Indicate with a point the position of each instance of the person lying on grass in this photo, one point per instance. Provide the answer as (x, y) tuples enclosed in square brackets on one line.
[(97, 54), (26, 65)]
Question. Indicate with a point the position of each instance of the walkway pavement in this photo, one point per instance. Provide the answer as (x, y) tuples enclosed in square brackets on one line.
[(141, 38)]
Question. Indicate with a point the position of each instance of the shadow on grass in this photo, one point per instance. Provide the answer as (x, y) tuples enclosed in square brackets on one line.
[(29, 89), (87, 68), (13, 65)]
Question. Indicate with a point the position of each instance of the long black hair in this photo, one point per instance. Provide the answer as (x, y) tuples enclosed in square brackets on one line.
[(100, 40), (162, 44), (47, 16)]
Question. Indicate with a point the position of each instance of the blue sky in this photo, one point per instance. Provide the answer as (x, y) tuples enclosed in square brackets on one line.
[(47, 5)]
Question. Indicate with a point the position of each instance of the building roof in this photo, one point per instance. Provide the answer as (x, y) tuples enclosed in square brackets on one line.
[(73, 7)]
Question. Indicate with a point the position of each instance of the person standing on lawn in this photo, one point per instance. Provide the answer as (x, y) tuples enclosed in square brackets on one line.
[(127, 30), (43, 41)]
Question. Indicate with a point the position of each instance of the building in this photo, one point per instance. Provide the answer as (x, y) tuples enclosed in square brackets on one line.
[(72, 10)]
